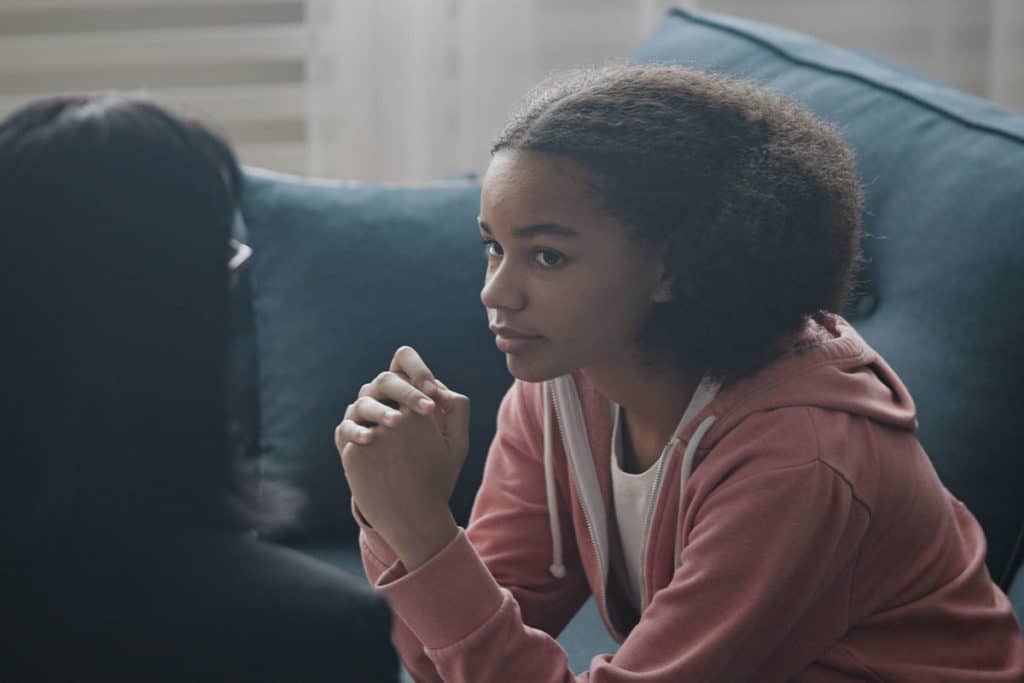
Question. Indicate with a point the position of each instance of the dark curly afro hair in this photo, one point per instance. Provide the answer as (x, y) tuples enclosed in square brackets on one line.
[(757, 202)]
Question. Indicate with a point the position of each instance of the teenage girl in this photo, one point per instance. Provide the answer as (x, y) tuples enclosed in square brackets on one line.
[(694, 437)]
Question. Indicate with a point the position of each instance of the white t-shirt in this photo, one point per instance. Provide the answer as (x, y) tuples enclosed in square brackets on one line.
[(631, 495)]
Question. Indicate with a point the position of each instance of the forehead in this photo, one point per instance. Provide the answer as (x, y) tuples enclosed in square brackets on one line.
[(522, 187)]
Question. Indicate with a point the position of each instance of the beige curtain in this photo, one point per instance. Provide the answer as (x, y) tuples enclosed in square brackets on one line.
[(1006, 67), (417, 88)]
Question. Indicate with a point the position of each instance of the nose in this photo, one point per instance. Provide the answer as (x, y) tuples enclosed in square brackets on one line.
[(502, 289)]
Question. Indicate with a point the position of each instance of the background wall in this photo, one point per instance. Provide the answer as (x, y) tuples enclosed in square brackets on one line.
[(415, 89)]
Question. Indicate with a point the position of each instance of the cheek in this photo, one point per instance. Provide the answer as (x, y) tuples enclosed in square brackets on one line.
[(600, 312), (623, 313)]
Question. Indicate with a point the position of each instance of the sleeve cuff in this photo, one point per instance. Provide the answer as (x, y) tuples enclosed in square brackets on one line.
[(447, 597), (373, 544)]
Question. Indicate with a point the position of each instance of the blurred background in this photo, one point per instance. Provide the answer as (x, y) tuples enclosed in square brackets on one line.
[(413, 90)]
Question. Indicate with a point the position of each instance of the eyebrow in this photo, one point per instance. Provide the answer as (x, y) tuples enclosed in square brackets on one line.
[(535, 229)]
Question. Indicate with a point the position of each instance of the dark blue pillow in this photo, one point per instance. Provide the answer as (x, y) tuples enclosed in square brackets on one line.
[(944, 179), (342, 275)]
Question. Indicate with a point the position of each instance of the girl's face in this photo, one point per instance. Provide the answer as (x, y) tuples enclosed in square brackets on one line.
[(565, 288)]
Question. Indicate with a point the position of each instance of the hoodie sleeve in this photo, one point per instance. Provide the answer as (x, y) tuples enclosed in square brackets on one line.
[(763, 546), (377, 559), (495, 573)]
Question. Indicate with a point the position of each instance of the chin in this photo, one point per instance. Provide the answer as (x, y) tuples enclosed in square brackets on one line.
[(527, 371)]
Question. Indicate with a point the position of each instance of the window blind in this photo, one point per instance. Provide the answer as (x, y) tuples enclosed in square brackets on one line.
[(240, 65)]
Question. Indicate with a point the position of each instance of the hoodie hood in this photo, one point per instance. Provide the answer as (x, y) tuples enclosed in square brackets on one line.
[(831, 368)]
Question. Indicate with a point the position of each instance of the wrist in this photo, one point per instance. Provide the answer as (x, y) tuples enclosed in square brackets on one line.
[(429, 538)]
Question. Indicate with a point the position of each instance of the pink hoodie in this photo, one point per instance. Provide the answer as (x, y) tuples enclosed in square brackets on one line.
[(813, 542)]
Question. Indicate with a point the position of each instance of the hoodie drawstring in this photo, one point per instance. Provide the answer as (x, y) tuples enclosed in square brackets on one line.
[(557, 567), (707, 389), (684, 475)]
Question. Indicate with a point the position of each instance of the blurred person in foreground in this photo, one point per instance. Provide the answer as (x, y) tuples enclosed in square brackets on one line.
[(127, 528)]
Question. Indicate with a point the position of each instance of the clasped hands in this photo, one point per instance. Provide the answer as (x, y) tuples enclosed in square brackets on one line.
[(402, 443)]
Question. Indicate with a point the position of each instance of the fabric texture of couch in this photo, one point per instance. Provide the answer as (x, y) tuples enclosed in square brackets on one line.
[(346, 272)]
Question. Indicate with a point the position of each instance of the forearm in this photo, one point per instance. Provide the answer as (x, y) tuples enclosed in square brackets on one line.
[(470, 628), (414, 545)]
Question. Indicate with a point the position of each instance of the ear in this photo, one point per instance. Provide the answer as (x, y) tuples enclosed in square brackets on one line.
[(662, 292)]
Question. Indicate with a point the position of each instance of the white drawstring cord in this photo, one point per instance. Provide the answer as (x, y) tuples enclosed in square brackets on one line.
[(557, 567), (684, 475)]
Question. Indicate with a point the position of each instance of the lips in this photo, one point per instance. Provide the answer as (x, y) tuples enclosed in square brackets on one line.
[(511, 340), (511, 332)]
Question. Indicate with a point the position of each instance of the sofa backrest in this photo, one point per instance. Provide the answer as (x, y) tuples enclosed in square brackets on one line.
[(943, 174)]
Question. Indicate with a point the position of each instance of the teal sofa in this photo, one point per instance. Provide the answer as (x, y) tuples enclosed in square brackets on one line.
[(344, 273)]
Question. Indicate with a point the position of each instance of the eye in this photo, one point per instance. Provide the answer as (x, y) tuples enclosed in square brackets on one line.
[(548, 259), (491, 248)]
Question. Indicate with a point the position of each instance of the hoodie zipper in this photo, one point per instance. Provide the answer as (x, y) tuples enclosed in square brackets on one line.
[(703, 395), (603, 566), (652, 502)]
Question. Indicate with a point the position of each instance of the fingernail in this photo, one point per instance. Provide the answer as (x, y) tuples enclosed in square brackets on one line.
[(364, 436), (391, 417), (429, 387), (423, 405)]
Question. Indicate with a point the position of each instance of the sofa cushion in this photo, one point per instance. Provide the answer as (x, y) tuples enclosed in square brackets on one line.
[(943, 174), (342, 275)]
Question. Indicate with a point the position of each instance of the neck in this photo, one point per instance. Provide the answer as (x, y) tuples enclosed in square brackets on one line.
[(652, 396)]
